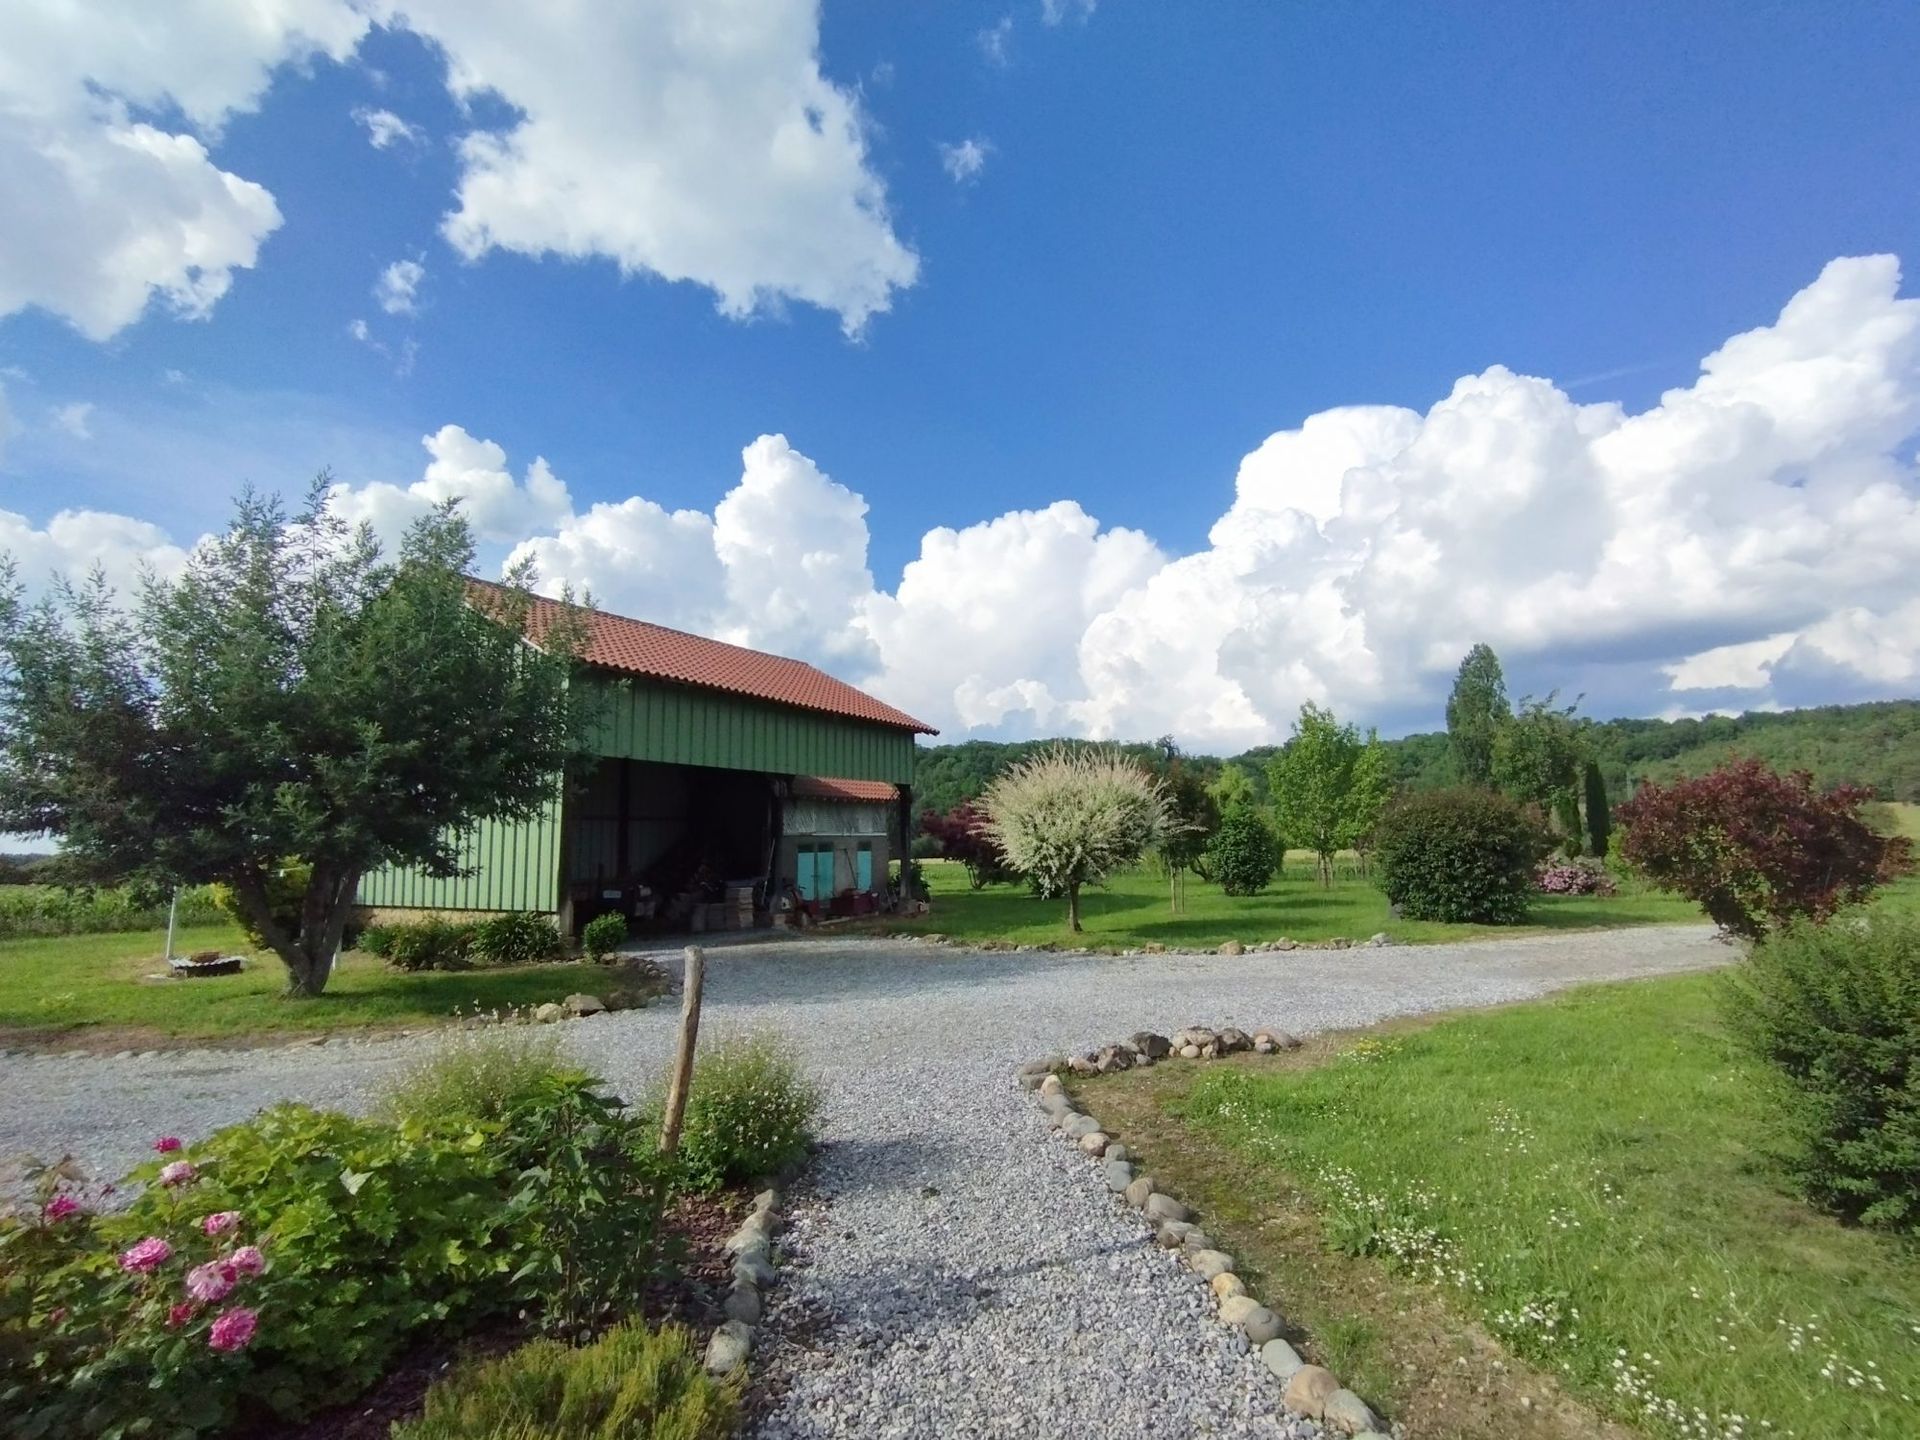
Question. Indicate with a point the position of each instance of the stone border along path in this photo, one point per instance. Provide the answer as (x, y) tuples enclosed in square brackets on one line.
[(1312, 1392), (943, 1270)]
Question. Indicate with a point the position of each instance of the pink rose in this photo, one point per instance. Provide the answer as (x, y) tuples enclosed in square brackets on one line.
[(247, 1260), (179, 1315), (59, 1207), (233, 1329), (220, 1222), (167, 1144), (146, 1256), (180, 1172), (212, 1282)]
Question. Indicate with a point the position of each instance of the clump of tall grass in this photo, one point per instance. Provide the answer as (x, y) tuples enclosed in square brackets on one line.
[(479, 1073)]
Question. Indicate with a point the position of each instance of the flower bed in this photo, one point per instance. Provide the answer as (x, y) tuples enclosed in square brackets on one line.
[(288, 1264), (283, 1264)]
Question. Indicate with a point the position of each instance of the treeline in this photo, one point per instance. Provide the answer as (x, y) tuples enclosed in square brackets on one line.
[(1876, 745)]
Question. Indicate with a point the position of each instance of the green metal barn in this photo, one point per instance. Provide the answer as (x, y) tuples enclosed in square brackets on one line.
[(730, 787)]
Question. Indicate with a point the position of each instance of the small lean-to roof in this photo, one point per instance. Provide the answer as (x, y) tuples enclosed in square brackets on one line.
[(635, 647), (820, 787)]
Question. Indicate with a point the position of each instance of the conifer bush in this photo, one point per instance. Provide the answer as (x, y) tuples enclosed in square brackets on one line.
[(1835, 1010)]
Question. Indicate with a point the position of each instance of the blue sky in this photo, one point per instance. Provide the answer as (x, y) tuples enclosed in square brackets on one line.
[(1188, 229)]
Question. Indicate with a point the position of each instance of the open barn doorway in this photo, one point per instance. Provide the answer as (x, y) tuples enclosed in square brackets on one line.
[(676, 849)]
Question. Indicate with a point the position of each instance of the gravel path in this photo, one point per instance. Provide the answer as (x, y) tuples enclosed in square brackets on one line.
[(965, 1274)]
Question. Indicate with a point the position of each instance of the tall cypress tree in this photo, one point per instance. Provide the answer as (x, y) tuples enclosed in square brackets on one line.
[(1476, 710), (1599, 818)]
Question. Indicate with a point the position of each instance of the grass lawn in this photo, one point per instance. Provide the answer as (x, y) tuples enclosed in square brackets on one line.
[(1568, 1201), (1133, 910), (94, 990)]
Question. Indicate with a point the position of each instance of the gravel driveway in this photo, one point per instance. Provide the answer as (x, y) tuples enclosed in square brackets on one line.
[(964, 1273)]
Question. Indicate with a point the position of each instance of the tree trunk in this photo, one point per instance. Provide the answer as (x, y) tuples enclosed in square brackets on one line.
[(308, 955), (1073, 907)]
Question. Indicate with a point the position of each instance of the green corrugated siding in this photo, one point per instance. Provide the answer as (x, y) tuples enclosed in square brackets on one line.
[(679, 726), (515, 866)]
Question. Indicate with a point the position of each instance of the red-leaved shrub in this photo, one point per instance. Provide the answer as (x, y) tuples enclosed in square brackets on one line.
[(1758, 849), (962, 835)]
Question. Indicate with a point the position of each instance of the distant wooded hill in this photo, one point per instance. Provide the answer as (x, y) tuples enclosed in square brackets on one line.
[(1876, 745)]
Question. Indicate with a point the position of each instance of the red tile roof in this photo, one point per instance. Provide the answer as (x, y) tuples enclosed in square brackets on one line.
[(634, 647), (819, 787)]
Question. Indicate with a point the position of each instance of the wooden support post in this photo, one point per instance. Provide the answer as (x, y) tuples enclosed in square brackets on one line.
[(682, 1078)]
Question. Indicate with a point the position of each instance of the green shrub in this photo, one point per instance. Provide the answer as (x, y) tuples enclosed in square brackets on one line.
[(634, 1383), (517, 938), (586, 1209), (366, 1235), (477, 1075), (430, 944), (283, 1263), (603, 935), (1242, 855), (1835, 1008), (1460, 855), (749, 1112)]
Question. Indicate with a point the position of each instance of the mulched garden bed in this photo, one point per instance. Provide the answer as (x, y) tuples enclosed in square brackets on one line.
[(691, 1292)]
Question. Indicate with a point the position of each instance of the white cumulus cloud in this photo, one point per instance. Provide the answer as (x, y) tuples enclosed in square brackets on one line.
[(996, 40), (964, 160), (74, 543), (104, 214), (386, 129), (1757, 531), (471, 470), (75, 419), (397, 289), (1753, 540), (695, 140)]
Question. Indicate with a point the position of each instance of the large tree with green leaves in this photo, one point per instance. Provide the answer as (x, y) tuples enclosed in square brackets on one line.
[(1476, 710), (1192, 815), (1328, 785), (293, 695), (1538, 757)]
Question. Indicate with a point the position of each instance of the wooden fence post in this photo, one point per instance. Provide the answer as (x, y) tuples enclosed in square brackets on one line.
[(683, 1061)]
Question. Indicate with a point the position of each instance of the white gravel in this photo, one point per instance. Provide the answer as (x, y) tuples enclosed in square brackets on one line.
[(963, 1273)]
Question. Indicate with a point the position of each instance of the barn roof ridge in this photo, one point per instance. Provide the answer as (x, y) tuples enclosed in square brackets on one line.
[(658, 652)]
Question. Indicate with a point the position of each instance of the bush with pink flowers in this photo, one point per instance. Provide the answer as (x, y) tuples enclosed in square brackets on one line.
[(1574, 877), (280, 1265)]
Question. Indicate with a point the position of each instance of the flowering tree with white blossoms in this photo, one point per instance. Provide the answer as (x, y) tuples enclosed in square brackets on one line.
[(1070, 816)]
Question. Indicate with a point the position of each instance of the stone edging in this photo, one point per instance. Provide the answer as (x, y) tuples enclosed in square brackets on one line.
[(753, 1271), (1310, 1390), (1377, 941)]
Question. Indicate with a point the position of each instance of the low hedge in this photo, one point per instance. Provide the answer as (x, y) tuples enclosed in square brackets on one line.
[(515, 938)]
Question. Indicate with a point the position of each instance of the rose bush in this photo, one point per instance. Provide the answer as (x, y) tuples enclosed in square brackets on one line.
[(281, 1264)]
